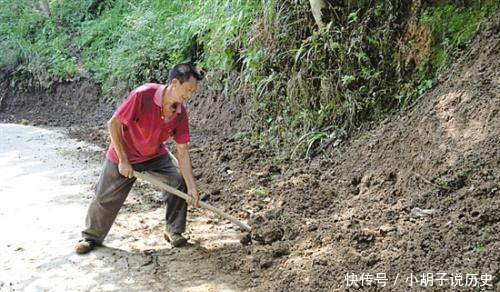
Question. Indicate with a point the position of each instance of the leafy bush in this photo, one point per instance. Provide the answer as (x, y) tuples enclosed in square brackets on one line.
[(36, 45)]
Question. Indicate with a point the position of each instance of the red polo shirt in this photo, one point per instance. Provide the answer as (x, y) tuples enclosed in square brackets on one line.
[(145, 130)]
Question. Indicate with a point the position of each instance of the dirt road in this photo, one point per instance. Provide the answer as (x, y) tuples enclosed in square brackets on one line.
[(46, 181)]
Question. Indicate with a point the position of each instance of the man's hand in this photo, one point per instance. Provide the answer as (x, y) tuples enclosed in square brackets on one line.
[(115, 132), (125, 169), (187, 174), (195, 201)]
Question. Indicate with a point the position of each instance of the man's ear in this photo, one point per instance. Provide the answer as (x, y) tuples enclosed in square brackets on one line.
[(176, 82)]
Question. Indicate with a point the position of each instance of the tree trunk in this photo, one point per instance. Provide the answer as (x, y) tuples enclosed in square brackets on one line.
[(45, 7), (316, 6)]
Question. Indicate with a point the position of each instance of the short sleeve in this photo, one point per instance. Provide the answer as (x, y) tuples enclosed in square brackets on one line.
[(182, 135), (128, 110)]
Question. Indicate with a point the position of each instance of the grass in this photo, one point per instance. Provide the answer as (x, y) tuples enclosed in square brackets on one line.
[(453, 27)]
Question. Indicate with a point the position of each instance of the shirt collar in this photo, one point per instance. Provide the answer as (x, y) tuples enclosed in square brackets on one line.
[(158, 98), (178, 108)]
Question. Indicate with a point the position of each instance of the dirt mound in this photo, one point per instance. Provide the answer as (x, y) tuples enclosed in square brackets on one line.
[(418, 194)]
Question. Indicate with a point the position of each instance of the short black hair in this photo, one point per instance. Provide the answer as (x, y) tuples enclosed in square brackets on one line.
[(183, 72)]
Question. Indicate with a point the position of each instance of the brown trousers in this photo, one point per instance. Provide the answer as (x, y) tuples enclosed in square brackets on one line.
[(113, 188)]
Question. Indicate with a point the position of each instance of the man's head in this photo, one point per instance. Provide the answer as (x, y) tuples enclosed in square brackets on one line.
[(183, 82)]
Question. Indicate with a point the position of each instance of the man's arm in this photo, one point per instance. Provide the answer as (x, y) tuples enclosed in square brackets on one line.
[(187, 172), (114, 128)]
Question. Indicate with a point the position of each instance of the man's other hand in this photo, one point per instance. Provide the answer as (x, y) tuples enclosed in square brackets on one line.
[(195, 198), (125, 169)]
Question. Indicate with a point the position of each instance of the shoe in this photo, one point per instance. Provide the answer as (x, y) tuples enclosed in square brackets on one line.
[(84, 246), (175, 239)]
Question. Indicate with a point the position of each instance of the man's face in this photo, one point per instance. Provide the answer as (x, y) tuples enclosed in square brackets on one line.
[(182, 92)]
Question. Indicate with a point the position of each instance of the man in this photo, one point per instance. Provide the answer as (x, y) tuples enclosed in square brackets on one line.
[(149, 116)]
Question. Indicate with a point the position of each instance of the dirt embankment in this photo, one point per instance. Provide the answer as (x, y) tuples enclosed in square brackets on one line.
[(77, 106), (80, 108), (417, 194)]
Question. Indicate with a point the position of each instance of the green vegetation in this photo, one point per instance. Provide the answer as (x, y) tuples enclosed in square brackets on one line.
[(455, 180), (39, 50), (261, 191), (483, 241), (307, 87), (452, 27), (122, 43)]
